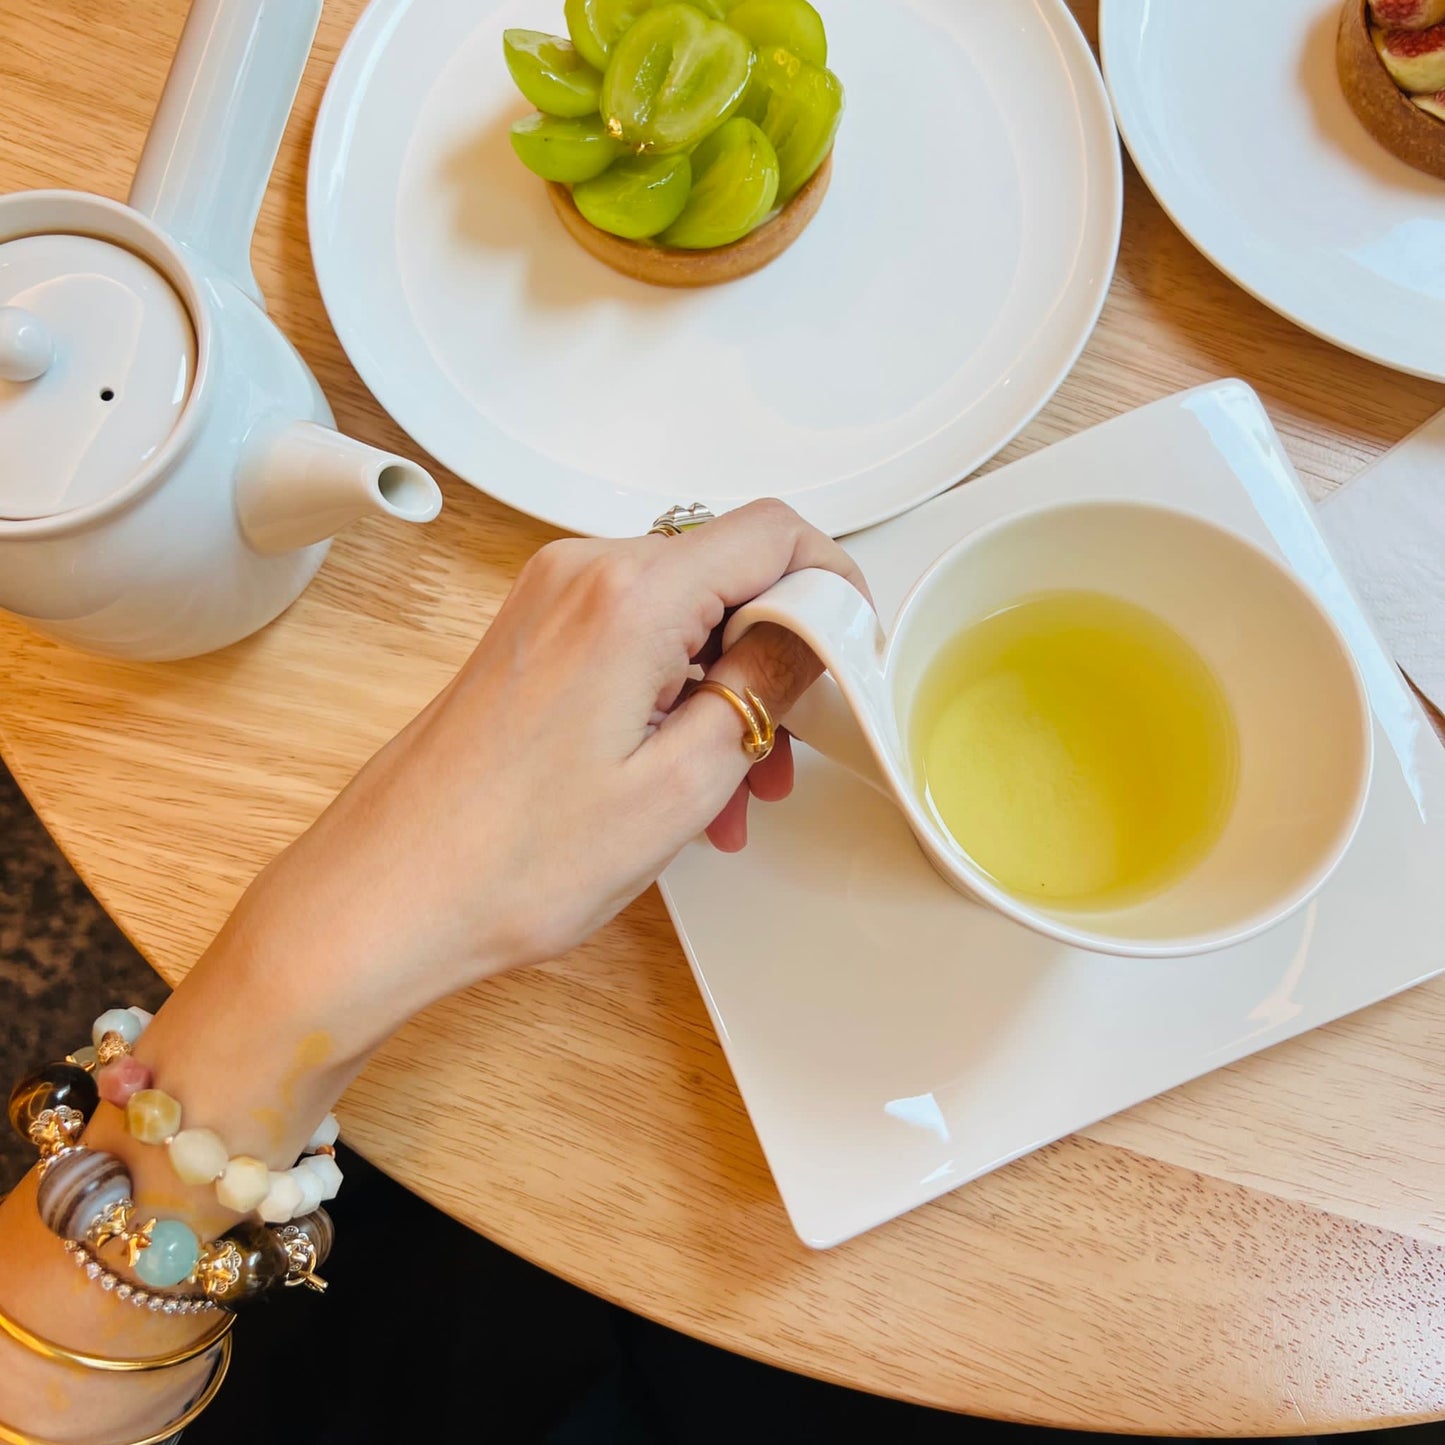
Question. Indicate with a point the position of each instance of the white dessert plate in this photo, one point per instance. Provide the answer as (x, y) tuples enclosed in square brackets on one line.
[(944, 290), (1233, 113), (893, 1040)]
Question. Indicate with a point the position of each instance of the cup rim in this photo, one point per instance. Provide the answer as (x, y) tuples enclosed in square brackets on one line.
[(963, 868)]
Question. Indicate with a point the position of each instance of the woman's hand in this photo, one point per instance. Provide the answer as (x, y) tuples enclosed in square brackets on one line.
[(548, 785), (558, 774)]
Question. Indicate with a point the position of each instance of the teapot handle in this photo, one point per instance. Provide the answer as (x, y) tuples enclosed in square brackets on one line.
[(219, 125)]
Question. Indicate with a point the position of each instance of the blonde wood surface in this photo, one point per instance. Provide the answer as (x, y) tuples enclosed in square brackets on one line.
[(1261, 1251)]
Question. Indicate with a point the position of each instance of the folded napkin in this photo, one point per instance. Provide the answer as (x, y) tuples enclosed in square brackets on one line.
[(1387, 530)]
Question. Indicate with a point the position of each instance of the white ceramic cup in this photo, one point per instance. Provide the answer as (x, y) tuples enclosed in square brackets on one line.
[(1300, 709)]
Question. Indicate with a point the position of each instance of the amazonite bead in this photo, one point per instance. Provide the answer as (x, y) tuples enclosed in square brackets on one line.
[(84, 1058), (326, 1171), (244, 1184), (141, 1015), (171, 1255), (198, 1155), (152, 1116), (326, 1133), (122, 1079), (116, 1020), (283, 1198), (310, 1192)]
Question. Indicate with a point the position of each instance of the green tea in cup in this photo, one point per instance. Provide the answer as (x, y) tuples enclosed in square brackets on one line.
[(1077, 748)]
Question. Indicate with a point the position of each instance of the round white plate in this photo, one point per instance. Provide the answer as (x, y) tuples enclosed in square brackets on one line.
[(1234, 115), (945, 288)]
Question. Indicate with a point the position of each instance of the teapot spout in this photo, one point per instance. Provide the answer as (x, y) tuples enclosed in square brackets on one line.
[(303, 484)]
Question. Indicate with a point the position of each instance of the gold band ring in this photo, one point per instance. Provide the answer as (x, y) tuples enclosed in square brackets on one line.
[(677, 520), (761, 733)]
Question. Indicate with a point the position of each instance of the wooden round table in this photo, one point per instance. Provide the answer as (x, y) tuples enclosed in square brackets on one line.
[(1262, 1251)]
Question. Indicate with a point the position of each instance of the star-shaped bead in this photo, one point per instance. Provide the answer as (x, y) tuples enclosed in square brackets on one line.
[(113, 1222), (137, 1240)]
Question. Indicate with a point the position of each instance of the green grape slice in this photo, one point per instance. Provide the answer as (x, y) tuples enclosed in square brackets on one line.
[(734, 184), (551, 73), (638, 196), (798, 106), (597, 25), (558, 149), (674, 77), (792, 25)]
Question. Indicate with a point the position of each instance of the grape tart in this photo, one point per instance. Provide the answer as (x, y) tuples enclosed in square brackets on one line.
[(683, 143)]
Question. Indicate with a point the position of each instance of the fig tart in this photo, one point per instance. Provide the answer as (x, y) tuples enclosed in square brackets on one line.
[(1391, 57)]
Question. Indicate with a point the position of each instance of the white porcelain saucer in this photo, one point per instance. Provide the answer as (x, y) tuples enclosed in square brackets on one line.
[(892, 1040), (944, 290)]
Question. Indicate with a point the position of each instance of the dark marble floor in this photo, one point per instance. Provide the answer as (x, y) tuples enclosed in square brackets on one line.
[(428, 1330)]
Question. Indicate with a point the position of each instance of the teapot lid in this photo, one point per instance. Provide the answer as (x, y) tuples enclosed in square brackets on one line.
[(97, 360)]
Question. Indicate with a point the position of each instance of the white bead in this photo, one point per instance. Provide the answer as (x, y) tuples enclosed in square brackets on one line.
[(144, 1015), (281, 1199), (116, 1020), (198, 1155), (311, 1184), (326, 1133), (244, 1184), (326, 1170)]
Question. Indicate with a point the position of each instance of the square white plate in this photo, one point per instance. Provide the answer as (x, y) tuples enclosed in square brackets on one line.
[(893, 1040)]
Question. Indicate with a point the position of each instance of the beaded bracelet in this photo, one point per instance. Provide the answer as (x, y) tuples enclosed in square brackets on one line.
[(199, 1156), (84, 1196)]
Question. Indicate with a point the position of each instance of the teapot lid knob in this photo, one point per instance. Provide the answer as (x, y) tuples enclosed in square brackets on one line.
[(26, 347), (98, 354)]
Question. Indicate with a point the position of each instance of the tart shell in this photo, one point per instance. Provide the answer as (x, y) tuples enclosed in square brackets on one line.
[(1383, 108), (667, 266)]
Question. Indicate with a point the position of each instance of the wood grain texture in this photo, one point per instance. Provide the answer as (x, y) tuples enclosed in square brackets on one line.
[(1262, 1251)]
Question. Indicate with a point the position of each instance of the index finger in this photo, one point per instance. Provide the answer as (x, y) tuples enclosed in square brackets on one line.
[(742, 553)]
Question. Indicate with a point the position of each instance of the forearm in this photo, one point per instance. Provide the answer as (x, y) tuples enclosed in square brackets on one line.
[(256, 1047)]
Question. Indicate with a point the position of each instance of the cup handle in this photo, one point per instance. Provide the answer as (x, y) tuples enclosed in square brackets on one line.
[(848, 716)]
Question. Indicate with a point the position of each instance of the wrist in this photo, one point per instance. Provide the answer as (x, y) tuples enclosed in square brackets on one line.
[(363, 957)]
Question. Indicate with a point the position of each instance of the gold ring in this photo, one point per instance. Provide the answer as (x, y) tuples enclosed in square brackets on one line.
[(677, 520), (761, 733)]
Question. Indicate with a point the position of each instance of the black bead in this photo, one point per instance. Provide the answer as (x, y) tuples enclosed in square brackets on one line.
[(50, 1088), (264, 1263)]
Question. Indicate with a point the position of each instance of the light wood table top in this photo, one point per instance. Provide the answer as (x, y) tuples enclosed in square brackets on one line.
[(1261, 1251)]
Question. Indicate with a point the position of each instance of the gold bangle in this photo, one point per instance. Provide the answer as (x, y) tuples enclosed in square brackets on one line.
[(761, 732), (50, 1350), (11, 1436)]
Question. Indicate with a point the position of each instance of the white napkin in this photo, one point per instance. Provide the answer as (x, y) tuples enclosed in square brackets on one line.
[(1387, 529)]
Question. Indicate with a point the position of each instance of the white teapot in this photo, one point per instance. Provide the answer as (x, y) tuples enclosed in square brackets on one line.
[(169, 478)]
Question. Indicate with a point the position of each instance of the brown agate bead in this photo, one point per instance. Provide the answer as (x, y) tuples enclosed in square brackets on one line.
[(53, 1087), (77, 1188)]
